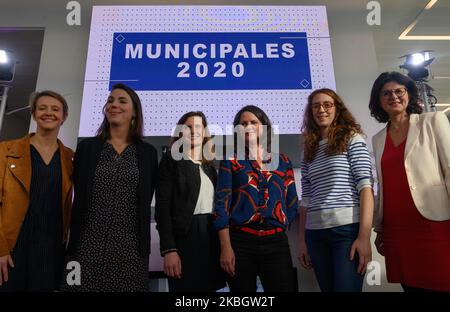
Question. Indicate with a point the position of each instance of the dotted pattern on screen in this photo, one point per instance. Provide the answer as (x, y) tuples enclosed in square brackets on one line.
[(162, 109)]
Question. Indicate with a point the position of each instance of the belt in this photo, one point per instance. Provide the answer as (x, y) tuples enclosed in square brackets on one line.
[(260, 232)]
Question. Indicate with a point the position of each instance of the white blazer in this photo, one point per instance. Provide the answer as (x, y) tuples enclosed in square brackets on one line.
[(427, 166)]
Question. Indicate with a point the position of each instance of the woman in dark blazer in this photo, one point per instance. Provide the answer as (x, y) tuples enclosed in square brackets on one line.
[(184, 207), (114, 181)]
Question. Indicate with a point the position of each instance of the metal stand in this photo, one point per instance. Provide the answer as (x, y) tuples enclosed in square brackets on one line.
[(425, 96), (3, 104)]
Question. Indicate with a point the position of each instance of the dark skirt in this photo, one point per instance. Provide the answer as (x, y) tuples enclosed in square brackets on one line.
[(199, 251)]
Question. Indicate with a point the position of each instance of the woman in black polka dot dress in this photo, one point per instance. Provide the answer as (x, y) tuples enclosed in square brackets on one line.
[(114, 176)]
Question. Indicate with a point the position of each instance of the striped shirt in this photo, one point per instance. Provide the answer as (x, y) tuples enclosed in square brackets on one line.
[(331, 184)]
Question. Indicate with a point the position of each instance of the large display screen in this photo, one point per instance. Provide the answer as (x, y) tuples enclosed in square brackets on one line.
[(215, 59)]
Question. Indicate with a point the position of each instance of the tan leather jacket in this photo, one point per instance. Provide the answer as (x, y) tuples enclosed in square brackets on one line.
[(15, 179)]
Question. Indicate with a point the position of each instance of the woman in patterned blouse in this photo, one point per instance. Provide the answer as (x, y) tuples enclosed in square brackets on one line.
[(256, 200)]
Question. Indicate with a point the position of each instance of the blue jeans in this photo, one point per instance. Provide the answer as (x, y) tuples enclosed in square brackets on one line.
[(329, 250)]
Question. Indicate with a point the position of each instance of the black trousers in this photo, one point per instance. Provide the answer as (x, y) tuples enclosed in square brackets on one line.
[(268, 257), (199, 251)]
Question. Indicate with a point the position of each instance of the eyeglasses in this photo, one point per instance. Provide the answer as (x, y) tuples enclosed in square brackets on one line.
[(326, 105), (399, 92)]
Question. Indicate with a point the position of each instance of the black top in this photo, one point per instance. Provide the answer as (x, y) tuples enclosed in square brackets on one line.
[(176, 196), (86, 159), (38, 251)]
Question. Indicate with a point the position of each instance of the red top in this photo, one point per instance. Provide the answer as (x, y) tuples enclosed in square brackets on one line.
[(417, 250)]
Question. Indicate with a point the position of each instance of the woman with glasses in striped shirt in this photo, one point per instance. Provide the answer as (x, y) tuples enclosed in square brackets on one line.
[(337, 200)]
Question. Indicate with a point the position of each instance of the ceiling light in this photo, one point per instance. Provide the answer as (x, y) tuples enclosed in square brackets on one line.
[(7, 66), (417, 65), (3, 57), (405, 34)]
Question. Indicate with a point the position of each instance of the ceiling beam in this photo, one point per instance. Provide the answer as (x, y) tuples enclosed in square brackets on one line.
[(404, 35)]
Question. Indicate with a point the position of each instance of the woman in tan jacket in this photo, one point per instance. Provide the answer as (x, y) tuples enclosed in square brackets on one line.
[(35, 200)]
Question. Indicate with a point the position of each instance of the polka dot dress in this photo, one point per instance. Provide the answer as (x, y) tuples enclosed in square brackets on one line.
[(108, 249)]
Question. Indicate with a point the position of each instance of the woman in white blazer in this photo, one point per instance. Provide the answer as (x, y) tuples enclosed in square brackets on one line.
[(412, 155)]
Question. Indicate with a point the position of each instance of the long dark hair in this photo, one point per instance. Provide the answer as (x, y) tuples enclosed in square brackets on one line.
[(207, 139), (342, 129), (266, 137), (137, 125), (374, 104)]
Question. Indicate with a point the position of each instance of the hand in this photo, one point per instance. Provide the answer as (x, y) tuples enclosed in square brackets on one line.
[(303, 256), (227, 260), (379, 243), (172, 264), (4, 261), (362, 247)]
